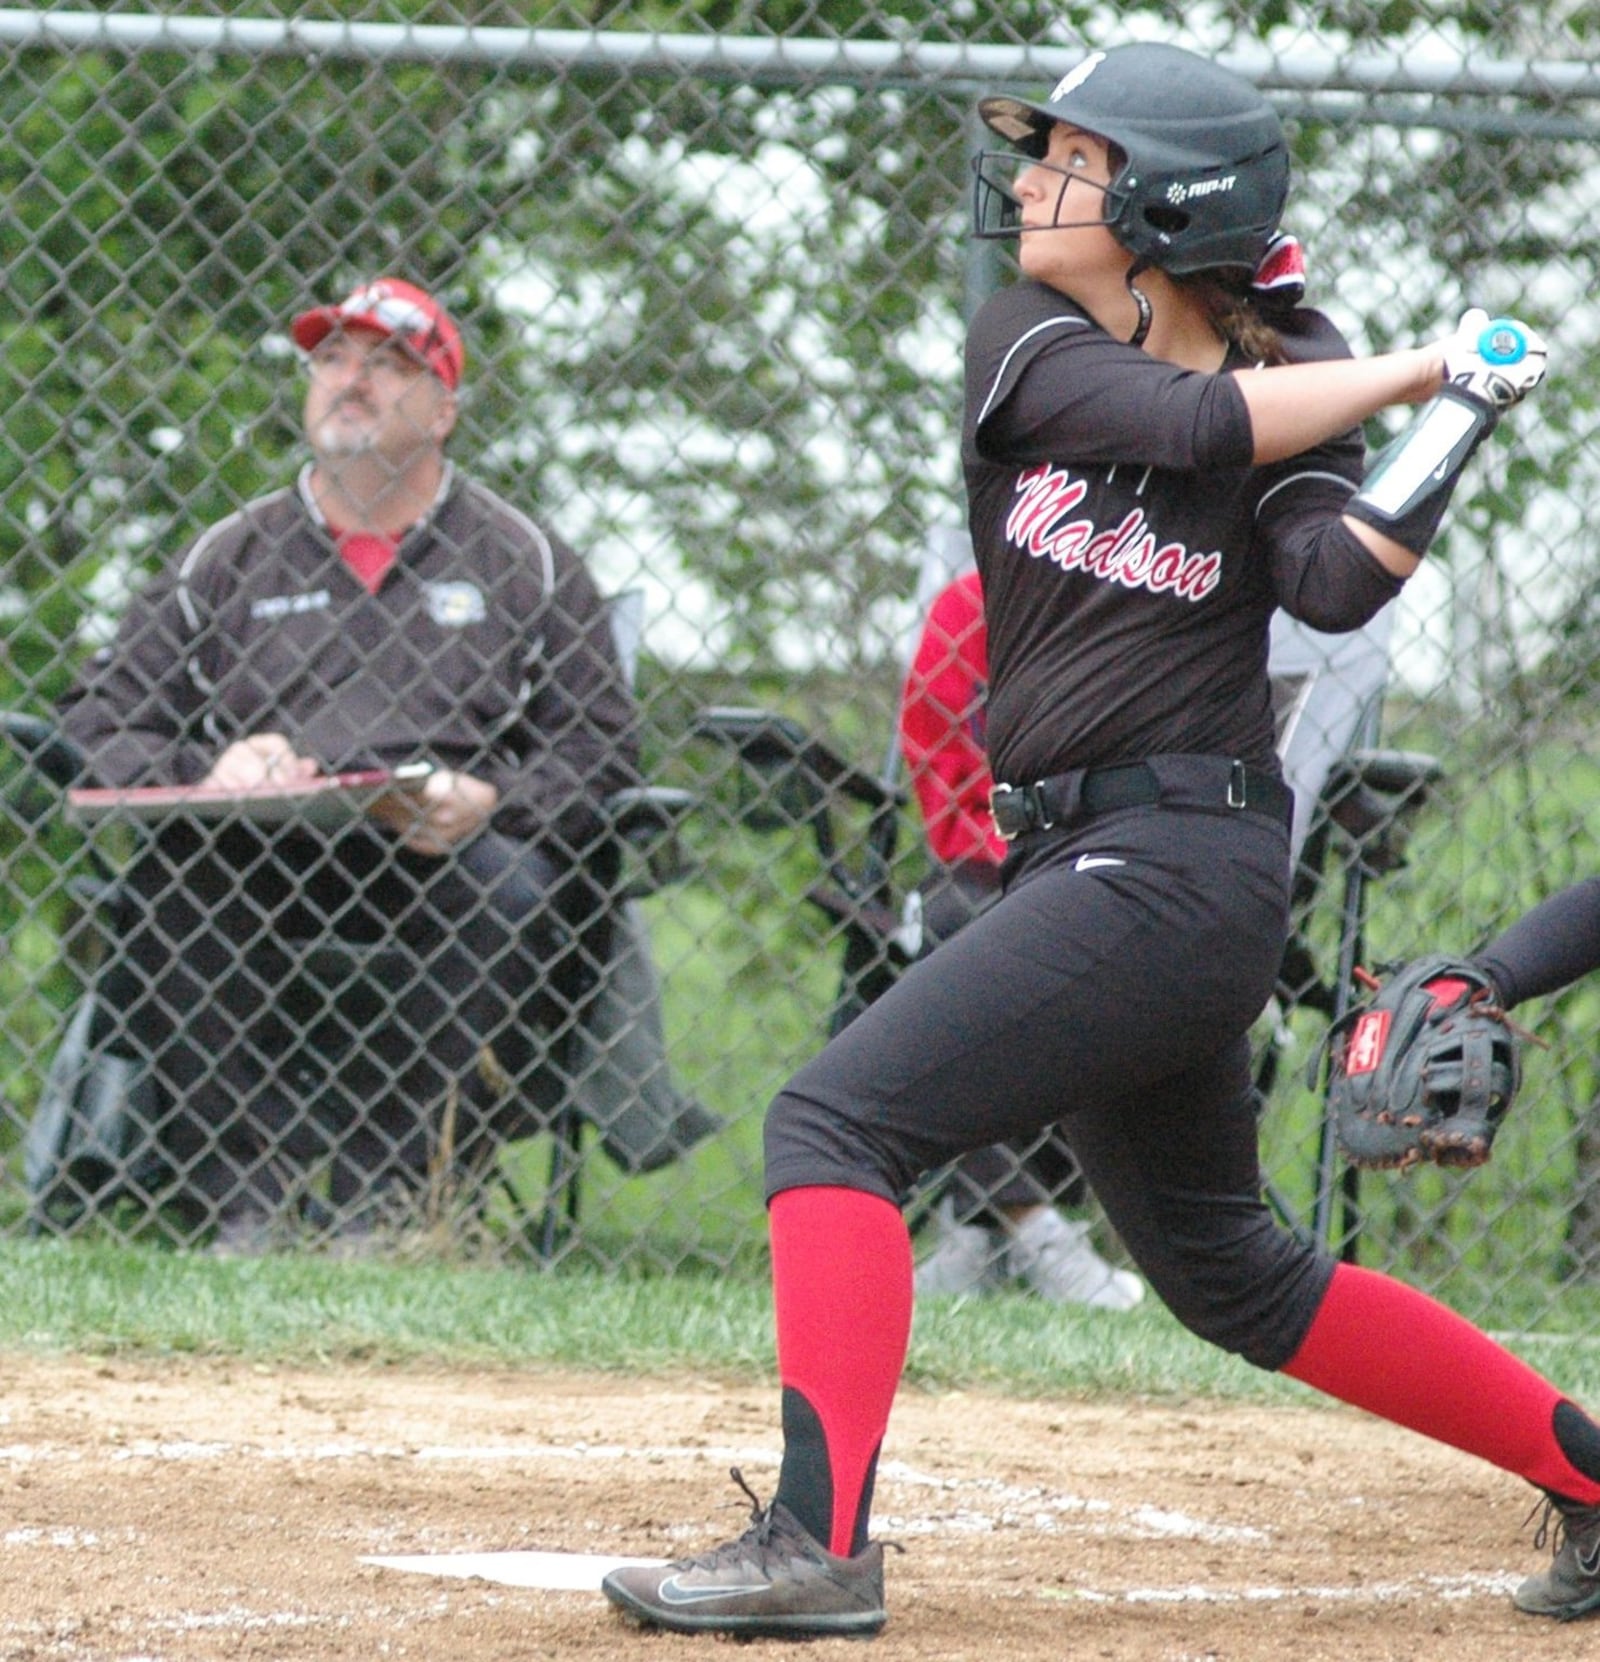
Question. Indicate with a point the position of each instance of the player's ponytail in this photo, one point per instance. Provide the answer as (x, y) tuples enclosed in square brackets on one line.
[(1249, 313), (1239, 317)]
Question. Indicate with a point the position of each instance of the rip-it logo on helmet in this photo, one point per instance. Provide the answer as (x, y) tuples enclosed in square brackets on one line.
[(1178, 194)]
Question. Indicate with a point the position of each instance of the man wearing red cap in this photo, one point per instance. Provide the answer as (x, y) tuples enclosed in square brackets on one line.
[(385, 609)]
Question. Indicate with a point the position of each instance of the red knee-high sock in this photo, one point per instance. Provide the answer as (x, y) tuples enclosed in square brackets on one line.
[(1385, 1347), (841, 1287)]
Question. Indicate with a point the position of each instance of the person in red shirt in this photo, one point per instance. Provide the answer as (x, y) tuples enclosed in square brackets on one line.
[(996, 1218)]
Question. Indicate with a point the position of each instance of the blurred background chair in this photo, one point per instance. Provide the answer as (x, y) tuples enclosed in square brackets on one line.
[(1355, 806)]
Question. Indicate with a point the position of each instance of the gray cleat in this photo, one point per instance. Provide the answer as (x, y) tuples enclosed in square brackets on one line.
[(1570, 1588), (775, 1581)]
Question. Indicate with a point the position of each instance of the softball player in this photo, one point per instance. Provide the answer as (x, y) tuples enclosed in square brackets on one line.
[(1156, 457)]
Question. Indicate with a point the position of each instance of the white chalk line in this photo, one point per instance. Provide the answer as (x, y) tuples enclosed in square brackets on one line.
[(552, 1572), (1008, 1507), (1451, 1589), (582, 1572)]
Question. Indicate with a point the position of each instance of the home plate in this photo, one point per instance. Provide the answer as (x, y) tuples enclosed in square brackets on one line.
[(575, 1572)]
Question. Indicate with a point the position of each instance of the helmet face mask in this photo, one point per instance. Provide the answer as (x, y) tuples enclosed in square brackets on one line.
[(1205, 166), (997, 208)]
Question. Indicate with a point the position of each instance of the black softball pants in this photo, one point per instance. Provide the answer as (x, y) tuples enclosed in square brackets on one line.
[(1112, 988), (991, 1181)]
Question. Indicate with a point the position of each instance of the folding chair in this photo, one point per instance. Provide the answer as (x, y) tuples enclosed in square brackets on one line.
[(636, 1116), (83, 1148), (1353, 807), (799, 783)]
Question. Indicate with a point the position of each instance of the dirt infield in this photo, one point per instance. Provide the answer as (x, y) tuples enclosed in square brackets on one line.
[(163, 1512)]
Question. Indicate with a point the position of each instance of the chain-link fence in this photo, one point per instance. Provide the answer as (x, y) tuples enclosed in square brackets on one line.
[(712, 270)]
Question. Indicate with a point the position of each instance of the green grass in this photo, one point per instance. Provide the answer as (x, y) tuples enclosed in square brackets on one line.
[(299, 1309)]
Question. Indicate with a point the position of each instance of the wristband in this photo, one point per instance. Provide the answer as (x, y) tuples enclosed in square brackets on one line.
[(1409, 487)]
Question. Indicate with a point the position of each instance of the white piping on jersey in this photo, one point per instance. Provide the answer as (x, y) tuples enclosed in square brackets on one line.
[(1297, 478), (1016, 346), (201, 682), (1144, 478), (547, 558), (535, 648), (202, 543), (191, 613)]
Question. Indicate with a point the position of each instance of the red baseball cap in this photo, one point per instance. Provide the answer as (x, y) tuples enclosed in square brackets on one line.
[(396, 308)]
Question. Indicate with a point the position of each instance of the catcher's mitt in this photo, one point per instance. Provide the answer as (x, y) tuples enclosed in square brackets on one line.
[(1425, 1069)]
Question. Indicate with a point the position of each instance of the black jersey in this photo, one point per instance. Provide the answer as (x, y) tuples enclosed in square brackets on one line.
[(1131, 554)]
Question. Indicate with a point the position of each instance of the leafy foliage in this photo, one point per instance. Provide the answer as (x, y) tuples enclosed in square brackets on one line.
[(714, 326)]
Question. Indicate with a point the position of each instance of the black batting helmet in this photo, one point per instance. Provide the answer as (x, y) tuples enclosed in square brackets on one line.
[(1207, 166)]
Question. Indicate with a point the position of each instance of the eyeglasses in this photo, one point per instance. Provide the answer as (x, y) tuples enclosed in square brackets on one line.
[(340, 358)]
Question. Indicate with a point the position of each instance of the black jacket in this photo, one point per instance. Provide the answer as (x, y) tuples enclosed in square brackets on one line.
[(487, 649)]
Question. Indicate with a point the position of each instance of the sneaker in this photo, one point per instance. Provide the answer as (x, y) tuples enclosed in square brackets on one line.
[(965, 1258), (244, 1231), (1570, 1588), (1055, 1257), (775, 1581)]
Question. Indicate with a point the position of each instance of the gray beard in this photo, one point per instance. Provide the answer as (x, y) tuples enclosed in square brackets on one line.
[(331, 439)]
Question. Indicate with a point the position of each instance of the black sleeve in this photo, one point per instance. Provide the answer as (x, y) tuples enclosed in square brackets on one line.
[(1322, 573), (579, 739), (1046, 384), (1548, 947), (135, 710)]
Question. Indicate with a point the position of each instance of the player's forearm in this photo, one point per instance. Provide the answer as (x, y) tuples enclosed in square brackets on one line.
[(1394, 557), (1548, 948), (1294, 407)]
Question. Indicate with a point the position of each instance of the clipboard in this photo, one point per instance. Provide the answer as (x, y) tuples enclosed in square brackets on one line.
[(327, 803)]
